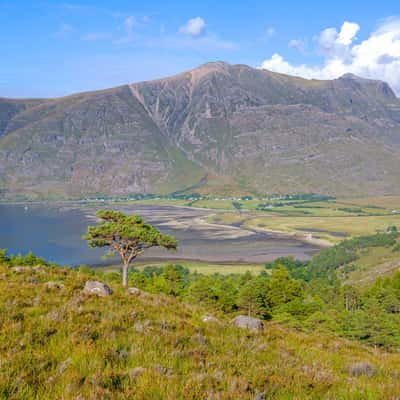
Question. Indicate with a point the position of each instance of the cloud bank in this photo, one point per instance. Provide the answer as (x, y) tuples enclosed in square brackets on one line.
[(377, 57)]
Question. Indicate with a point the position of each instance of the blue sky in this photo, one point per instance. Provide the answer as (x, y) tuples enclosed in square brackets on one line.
[(54, 48)]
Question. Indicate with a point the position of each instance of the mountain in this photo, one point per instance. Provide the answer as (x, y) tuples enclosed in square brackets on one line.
[(217, 128)]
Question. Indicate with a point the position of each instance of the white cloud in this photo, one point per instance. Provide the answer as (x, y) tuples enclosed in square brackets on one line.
[(193, 35), (297, 44), (195, 27), (347, 33), (336, 44), (130, 23), (377, 57)]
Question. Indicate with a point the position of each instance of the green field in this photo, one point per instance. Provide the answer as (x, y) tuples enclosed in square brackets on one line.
[(205, 268), (330, 220), (332, 229)]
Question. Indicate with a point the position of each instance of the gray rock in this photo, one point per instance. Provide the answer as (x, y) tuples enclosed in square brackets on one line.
[(64, 365), (54, 285), (134, 291), (32, 279), (136, 372), (251, 323), (362, 368), (164, 325), (57, 315), (163, 370), (97, 288), (200, 377), (210, 319), (142, 326), (20, 269)]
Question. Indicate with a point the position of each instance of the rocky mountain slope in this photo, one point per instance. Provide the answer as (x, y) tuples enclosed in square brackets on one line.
[(218, 126)]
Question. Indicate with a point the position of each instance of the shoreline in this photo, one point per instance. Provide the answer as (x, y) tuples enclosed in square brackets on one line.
[(196, 224), (306, 237)]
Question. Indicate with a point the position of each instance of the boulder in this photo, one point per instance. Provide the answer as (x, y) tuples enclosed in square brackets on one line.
[(21, 269), (362, 368), (97, 288), (64, 365), (142, 326), (162, 370), (134, 291), (56, 315), (136, 372), (251, 323), (54, 285), (210, 319)]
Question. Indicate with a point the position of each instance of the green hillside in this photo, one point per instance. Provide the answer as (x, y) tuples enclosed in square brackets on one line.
[(154, 343)]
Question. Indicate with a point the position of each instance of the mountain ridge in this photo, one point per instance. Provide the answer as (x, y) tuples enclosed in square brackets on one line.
[(249, 129)]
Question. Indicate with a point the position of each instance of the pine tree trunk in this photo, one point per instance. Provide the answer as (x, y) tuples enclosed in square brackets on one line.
[(125, 275)]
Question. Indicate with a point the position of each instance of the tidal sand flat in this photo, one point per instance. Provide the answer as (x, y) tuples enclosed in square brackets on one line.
[(55, 232)]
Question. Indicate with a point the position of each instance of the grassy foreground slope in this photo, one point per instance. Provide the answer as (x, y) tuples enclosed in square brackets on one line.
[(57, 343)]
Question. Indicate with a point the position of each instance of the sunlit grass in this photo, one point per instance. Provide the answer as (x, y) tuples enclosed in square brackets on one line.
[(205, 268), (60, 344), (351, 226)]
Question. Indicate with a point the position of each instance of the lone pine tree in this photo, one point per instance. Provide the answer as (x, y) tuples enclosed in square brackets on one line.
[(126, 235)]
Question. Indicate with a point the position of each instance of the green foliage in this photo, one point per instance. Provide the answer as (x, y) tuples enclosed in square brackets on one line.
[(379, 239), (354, 210), (297, 269), (28, 259), (238, 206), (252, 298), (326, 262), (281, 288), (4, 259), (312, 303), (396, 248), (172, 280), (202, 291), (128, 231), (295, 200), (126, 235), (254, 295)]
